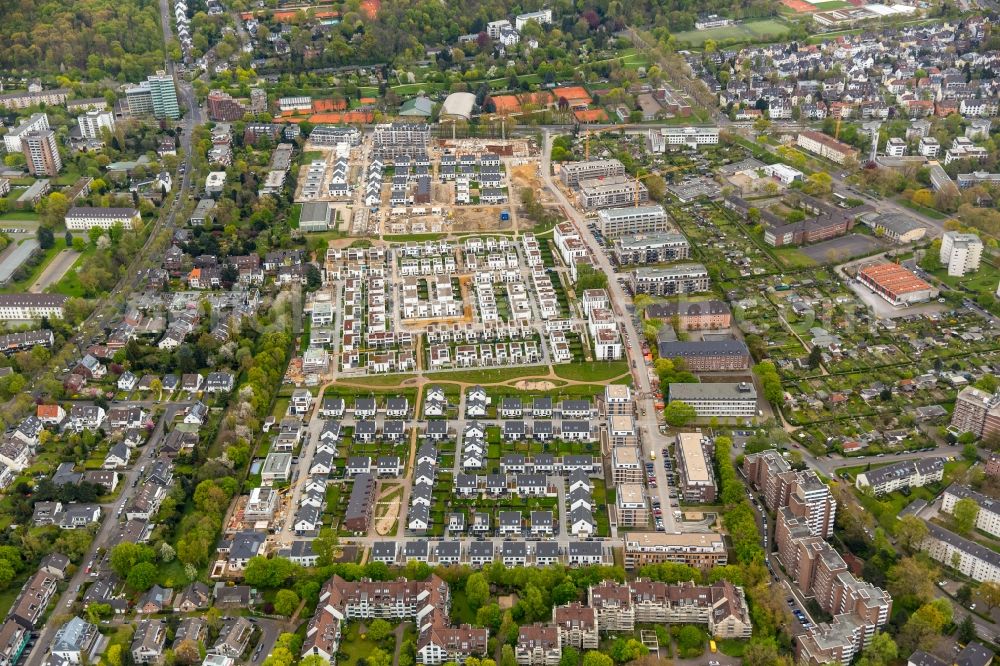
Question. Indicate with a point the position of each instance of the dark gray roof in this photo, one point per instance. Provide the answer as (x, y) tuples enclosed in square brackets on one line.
[(449, 549), (547, 549), (514, 549), (481, 548), (384, 549), (903, 469), (974, 549), (703, 348), (586, 548), (668, 310), (417, 548)]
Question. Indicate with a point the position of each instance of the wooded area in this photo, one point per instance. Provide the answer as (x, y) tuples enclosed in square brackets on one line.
[(101, 38)]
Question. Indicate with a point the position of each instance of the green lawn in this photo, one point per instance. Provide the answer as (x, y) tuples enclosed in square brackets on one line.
[(731, 647), (887, 508), (793, 257), (47, 257), (924, 210), (592, 372), (354, 646), (768, 29)]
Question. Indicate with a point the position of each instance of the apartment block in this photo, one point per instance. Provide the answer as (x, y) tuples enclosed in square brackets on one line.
[(975, 561), (615, 222), (577, 625), (905, 474), (698, 549), (573, 173), (961, 253), (650, 248), (692, 315), (721, 606), (631, 506), (697, 480), (802, 492), (680, 279), (722, 400), (988, 518), (611, 192), (41, 151)]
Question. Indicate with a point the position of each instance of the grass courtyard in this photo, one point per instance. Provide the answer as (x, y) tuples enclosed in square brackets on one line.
[(766, 30)]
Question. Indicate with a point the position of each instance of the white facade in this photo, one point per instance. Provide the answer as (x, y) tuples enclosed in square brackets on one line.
[(542, 17), (82, 219), (691, 136), (36, 123), (960, 252), (31, 306), (92, 122), (895, 147)]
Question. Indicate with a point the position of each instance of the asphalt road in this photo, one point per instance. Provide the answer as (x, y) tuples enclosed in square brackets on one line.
[(646, 418), (109, 524)]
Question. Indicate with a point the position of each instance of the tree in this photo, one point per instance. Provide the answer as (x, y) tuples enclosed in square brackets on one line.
[(286, 601), (910, 578), (379, 630), (818, 184), (966, 629), (142, 576), (46, 238), (965, 513), (911, 532), (507, 658), (763, 652), (326, 545), (970, 452), (489, 616), (924, 626), (989, 592), (186, 652), (880, 651), (815, 357), (679, 413), (623, 650), (594, 658), (114, 655), (570, 657), (126, 555), (477, 590), (690, 641)]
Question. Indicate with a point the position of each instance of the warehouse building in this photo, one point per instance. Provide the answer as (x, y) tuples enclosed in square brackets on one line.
[(897, 285)]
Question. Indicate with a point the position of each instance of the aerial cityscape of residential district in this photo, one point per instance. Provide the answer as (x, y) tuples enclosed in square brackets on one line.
[(513, 333)]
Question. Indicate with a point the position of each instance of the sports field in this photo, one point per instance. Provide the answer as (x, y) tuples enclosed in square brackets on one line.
[(768, 29)]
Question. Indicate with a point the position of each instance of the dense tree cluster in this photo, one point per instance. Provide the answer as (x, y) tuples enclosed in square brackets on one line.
[(118, 39)]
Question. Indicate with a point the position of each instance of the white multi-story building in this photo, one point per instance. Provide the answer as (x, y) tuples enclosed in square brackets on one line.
[(691, 137), (905, 474), (717, 399), (973, 560), (988, 518), (543, 17), (81, 218), (615, 222), (92, 122), (960, 252), (31, 306), (895, 147), (36, 123), (929, 146)]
